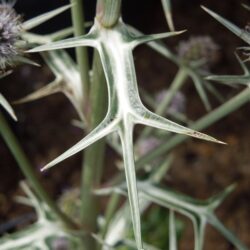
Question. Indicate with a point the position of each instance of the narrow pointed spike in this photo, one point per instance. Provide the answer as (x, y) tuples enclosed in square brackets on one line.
[(216, 200), (212, 89), (149, 38), (153, 120), (242, 64), (157, 46), (103, 129), (86, 40), (168, 13), (129, 166), (61, 34), (34, 22), (213, 220), (232, 27), (21, 59), (2, 75), (198, 82), (47, 90), (7, 107), (247, 7), (231, 80)]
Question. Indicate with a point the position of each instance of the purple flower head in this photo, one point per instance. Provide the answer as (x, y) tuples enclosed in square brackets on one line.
[(199, 48), (10, 30)]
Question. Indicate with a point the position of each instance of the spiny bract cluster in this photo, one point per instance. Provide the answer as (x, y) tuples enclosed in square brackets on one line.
[(10, 29)]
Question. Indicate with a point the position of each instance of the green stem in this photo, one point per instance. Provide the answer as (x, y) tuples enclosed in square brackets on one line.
[(177, 83), (94, 155), (77, 13), (109, 213), (108, 12), (29, 172)]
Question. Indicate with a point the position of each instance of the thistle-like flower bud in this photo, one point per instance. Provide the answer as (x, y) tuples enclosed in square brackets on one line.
[(10, 30), (199, 48)]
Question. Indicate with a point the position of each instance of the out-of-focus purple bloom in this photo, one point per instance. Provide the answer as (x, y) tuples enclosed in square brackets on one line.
[(60, 244), (178, 102), (199, 48), (146, 145)]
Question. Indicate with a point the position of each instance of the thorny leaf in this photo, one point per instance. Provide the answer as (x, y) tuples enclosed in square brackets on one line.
[(125, 108)]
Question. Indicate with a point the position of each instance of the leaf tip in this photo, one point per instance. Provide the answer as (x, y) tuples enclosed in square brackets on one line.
[(204, 8), (46, 167)]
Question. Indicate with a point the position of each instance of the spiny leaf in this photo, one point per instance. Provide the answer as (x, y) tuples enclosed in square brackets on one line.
[(4, 103), (213, 220), (191, 70), (99, 132), (217, 200), (125, 107), (168, 13), (38, 235), (51, 88), (86, 40), (232, 27), (199, 85), (157, 121), (67, 81), (247, 7), (21, 59), (200, 212), (233, 80), (149, 38), (34, 22), (211, 88), (126, 135)]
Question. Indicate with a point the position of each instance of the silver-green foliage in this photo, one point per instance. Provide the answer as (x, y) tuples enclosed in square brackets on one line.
[(125, 109), (41, 234)]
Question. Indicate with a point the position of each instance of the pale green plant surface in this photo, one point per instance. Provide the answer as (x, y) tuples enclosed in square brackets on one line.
[(166, 4), (188, 69), (200, 213), (4, 103), (42, 233), (115, 45), (125, 108), (7, 107), (67, 81)]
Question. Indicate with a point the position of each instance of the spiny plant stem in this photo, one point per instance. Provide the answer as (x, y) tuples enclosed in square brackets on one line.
[(209, 119), (230, 106), (77, 13), (29, 172), (108, 12), (94, 155), (177, 83)]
